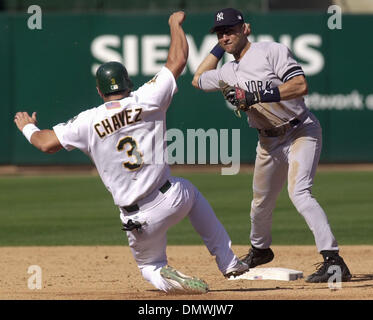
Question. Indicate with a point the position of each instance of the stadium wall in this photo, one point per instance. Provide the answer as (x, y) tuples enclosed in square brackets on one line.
[(51, 71)]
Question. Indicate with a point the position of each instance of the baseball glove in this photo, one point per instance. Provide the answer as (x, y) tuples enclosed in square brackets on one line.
[(238, 97), (245, 101)]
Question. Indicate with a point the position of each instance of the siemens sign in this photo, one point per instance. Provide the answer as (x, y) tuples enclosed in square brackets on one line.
[(146, 54)]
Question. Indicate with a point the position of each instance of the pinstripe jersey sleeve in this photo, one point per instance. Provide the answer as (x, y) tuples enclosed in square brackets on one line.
[(282, 61), (209, 80)]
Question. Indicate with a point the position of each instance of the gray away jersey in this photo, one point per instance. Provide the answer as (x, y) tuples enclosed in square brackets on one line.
[(125, 139), (265, 65)]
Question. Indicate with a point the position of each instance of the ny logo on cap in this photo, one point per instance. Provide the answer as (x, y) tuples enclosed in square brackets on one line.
[(220, 16)]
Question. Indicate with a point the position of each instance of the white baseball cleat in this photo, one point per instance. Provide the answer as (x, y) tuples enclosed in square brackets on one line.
[(181, 283), (239, 268)]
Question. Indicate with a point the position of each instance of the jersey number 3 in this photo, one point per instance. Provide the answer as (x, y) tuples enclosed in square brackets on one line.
[(132, 152)]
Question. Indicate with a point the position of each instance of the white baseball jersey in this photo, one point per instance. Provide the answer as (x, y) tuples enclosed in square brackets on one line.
[(265, 65), (125, 139)]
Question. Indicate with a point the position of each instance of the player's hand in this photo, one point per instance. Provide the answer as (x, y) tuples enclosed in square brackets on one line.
[(177, 17), (23, 118)]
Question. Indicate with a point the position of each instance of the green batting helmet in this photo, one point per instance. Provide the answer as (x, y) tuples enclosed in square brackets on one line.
[(112, 77)]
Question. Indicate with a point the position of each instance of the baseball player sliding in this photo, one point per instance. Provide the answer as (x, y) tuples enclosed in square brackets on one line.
[(119, 137), (267, 83)]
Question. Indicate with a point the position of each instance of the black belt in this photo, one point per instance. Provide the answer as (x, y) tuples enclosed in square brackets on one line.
[(135, 206), (279, 131)]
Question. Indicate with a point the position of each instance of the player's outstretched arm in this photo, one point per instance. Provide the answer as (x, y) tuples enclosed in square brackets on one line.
[(44, 140), (179, 49)]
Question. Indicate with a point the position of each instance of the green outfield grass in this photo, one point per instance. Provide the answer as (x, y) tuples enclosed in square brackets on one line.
[(78, 210)]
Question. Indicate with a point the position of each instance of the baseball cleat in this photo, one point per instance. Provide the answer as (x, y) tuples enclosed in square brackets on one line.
[(238, 269), (181, 283), (326, 269), (256, 257)]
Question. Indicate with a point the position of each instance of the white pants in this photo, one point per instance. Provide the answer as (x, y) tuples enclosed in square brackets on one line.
[(293, 157), (165, 210)]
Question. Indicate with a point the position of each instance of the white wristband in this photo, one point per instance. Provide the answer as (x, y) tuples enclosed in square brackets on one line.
[(28, 130)]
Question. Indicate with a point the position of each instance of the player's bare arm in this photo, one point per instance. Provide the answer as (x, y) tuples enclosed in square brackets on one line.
[(178, 52), (209, 63), (294, 88), (44, 140)]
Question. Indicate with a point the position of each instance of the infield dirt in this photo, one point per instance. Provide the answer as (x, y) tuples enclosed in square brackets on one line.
[(110, 272)]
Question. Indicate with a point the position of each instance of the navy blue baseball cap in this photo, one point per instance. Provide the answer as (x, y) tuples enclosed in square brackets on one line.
[(227, 17)]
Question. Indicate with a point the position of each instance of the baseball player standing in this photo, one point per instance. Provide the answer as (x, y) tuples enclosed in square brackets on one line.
[(267, 83), (120, 136)]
